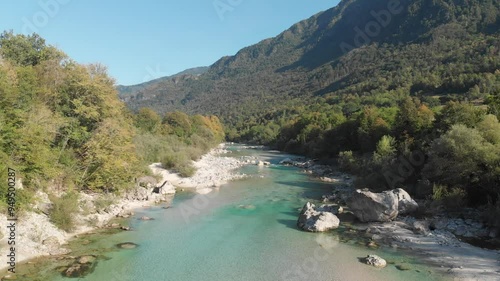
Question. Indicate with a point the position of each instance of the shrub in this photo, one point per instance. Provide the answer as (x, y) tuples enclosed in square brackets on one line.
[(63, 209), (347, 161), (186, 170), (452, 199)]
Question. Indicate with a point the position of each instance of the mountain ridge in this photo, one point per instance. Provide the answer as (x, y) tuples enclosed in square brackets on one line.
[(308, 60)]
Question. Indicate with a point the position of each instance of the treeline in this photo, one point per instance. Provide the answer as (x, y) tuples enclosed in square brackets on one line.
[(63, 126), (176, 139), (449, 153)]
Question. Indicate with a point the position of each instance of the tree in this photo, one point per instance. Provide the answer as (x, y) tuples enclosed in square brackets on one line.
[(413, 118), (109, 159), (148, 120), (462, 158), (26, 50), (458, 113)]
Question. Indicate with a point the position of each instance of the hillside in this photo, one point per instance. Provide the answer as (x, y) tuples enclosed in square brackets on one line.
[(424, 48), (125, 91), (368, 85)]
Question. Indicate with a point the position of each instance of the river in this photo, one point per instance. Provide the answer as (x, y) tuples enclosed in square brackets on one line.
[(244, 231)]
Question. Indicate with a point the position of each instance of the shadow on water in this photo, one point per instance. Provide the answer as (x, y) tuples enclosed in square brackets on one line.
[(310, 190), (289, 223)]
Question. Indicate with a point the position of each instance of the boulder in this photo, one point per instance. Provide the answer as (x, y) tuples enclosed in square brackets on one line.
[(375, 261), (313, 220), (145, 218), (332, 208), (406, 204), (373, 207), (147, 181), (127, 245), (51, 242), (421, 227)]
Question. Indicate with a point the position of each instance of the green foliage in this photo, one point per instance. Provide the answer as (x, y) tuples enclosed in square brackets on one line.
[(27, 50), (148, 120), (181, 140), (347, 162), (63, 210), (452, 199), (180, 163), (386, 150), (462, 158), (458, 113)]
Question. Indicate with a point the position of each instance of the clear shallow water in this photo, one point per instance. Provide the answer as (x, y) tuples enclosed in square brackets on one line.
[(244, 231)]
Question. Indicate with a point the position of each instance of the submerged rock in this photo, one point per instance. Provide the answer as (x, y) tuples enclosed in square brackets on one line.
[(287, 161), (86, 259), (83, 266), (375, 261), (145, 218), (374, 207), (127, 245), (314, 220)]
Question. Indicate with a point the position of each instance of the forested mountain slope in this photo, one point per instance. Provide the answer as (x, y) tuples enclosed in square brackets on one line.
[(376, 50)]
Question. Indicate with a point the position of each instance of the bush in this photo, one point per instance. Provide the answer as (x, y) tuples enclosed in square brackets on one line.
[(347, 162), (452, 199), (180, 163), (186, 170), (63, 209)]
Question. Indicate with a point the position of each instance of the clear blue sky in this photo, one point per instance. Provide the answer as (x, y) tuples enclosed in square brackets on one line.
[(143, 40)]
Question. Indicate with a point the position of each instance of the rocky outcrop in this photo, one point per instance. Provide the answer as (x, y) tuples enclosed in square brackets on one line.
[(155, 193), (373, 207), (54, 247), (375, 261), (381, 207), (317, 220)]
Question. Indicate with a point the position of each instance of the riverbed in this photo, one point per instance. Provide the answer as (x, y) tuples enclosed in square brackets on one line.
[(244, 230)]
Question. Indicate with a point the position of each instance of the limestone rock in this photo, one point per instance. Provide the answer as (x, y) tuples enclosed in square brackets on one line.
[(406, 204), (374, 207), (375, 261), (313, 220)]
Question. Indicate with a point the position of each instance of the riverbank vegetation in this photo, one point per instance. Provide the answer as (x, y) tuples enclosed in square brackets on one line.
[(415, 104), (63, 126)]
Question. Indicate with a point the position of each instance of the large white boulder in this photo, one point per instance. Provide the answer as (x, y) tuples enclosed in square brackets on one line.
[(373, 207), (313, 220)]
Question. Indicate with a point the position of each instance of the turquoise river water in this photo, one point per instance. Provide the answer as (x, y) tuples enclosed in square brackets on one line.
[(246, 231)]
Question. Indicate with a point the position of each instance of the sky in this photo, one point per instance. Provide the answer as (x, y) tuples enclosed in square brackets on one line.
[(143, 40)]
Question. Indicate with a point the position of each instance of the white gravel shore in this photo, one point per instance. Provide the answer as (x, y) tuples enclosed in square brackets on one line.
[(212, 171), (33, 228)]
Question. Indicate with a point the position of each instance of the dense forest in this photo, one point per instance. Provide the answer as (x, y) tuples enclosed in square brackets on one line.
[(63, 127), (416, 105)]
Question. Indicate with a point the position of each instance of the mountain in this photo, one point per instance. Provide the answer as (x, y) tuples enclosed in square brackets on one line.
[(126, 91), (373, 51)]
